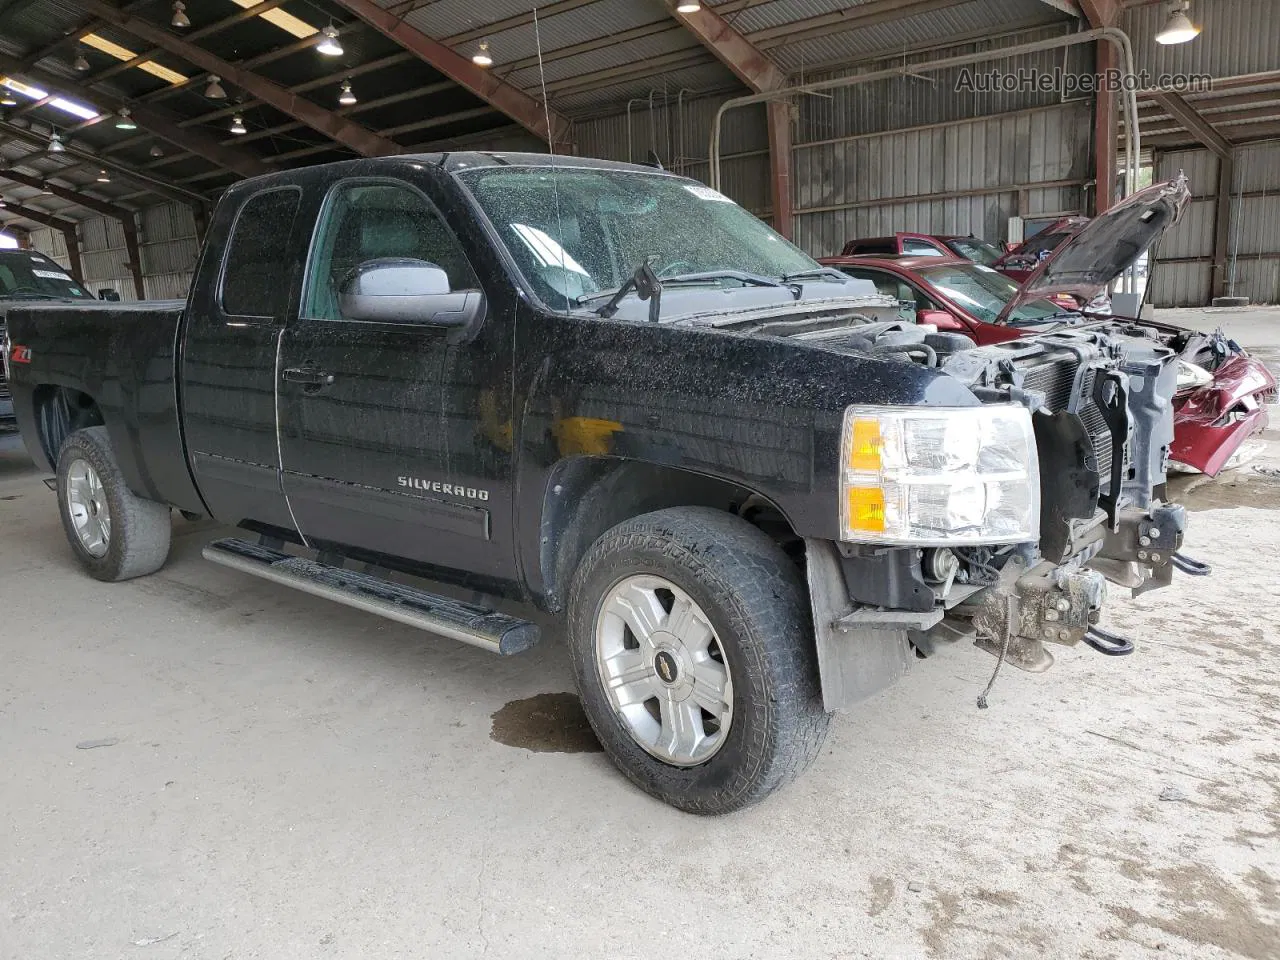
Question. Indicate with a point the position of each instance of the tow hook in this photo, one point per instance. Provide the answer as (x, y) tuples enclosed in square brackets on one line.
[(1106, 642), (1191, 567)]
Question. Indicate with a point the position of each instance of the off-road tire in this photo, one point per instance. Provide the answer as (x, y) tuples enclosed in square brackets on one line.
[(140, 529), (753, 595)]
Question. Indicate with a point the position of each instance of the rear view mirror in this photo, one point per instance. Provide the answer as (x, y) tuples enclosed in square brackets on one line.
[(404, 290), (106, 293), (942, 320)]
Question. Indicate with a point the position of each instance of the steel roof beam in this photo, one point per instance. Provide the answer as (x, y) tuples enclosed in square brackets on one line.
[(1197, 125), (732, 49), (102, 207), (157, 121), (1071, 7), (1101, 13), (502, 96), (157, 185), (360, 139)]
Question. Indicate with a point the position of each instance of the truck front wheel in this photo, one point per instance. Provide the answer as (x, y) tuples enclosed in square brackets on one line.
[(116, 535), (694, 656)]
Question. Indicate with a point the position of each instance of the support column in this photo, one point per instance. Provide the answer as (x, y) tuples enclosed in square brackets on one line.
[(1105, 139), (134, 252), (73, 253), (780, 165), (1222, 224)]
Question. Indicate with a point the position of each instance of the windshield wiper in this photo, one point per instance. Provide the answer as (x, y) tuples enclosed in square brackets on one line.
[(29, 296), (649, 286), (1032, 321), (815, 274)]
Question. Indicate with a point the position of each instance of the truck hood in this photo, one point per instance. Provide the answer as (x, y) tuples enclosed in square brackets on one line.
[(1106, 246)]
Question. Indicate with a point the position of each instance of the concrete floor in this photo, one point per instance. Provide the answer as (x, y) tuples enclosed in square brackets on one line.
[(200, 765)]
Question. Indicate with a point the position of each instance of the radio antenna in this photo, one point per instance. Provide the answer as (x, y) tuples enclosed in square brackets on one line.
[(551, 146)]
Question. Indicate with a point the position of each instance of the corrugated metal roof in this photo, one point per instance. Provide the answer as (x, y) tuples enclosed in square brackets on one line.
[(1237, 37)]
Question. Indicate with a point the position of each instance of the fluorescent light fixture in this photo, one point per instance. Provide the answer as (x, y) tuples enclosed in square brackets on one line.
[(214, 89), (347, 97), (59, 103), (688, 6), (180, 18), (124, 54), (285, 21), (482, 58), (1178, 28), (124, 121), (329, 44), (104, 177), (237, 125), (55, 144)]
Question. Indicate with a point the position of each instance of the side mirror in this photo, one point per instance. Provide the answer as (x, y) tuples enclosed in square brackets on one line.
[(942, 320), (404, 290), (106, 293)]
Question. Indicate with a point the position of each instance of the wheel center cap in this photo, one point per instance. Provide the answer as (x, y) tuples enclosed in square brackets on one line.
[(666, 667)]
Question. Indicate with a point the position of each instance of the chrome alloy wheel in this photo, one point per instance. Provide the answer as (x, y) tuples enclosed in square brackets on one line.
[(664, 670), (87, 503)]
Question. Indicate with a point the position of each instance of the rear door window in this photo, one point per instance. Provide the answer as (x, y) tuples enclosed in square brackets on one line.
[(255, 273)]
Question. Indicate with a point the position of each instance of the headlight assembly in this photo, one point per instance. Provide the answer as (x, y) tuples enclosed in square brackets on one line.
[(939, 476)]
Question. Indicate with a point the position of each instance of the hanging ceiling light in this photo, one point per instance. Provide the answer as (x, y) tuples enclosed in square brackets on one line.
[(2, 203), (329, 44), (80, 63), (155, 150), (104, 177), (180, 19), (347, 97), (7, 99), (688, 6), (1178, 28), (45, 188), (213, 90), (481, 57), (55, 144), (124, 121), (237, 125)]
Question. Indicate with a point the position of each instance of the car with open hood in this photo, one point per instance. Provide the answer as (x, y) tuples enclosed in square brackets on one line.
[(1222, 391)]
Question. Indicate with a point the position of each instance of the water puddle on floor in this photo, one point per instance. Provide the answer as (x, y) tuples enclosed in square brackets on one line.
[(1254, 489), (546, 723)]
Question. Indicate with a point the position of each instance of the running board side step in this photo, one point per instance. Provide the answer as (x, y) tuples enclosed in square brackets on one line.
[(478, 626)]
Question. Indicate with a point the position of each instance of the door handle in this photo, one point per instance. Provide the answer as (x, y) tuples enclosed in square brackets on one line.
[(307, 375)]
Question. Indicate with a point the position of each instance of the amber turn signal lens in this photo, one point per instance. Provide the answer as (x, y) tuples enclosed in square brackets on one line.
[(866, 509), (865, 446)]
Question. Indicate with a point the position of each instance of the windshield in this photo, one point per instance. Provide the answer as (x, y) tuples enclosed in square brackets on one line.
[(575, 232), (979, 251), (29, 275), (984, 293)]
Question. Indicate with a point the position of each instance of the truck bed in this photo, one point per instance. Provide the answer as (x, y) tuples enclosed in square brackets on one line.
[(123, 356)]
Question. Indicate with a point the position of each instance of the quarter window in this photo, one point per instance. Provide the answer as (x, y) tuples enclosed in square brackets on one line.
[(255, 278)]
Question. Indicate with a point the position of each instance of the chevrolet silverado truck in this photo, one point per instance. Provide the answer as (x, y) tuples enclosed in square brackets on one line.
[(752, 492)]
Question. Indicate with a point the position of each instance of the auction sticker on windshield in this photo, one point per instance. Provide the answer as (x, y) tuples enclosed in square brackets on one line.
[(706, 193)]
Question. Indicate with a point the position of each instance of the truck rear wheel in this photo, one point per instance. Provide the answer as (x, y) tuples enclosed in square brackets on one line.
[(694, 656), (116, 535)]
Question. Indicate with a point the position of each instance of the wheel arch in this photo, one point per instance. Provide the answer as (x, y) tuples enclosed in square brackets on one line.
[(59, 411), (587, 495)]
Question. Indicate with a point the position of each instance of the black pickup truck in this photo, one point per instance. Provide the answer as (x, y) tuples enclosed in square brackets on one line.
[(754, 493)]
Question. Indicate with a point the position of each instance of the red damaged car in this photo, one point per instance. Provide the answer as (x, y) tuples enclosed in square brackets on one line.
[(1222, 391)]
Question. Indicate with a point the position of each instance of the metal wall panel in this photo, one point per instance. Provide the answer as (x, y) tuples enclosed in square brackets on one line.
[(880, 183), (1254, 240)]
